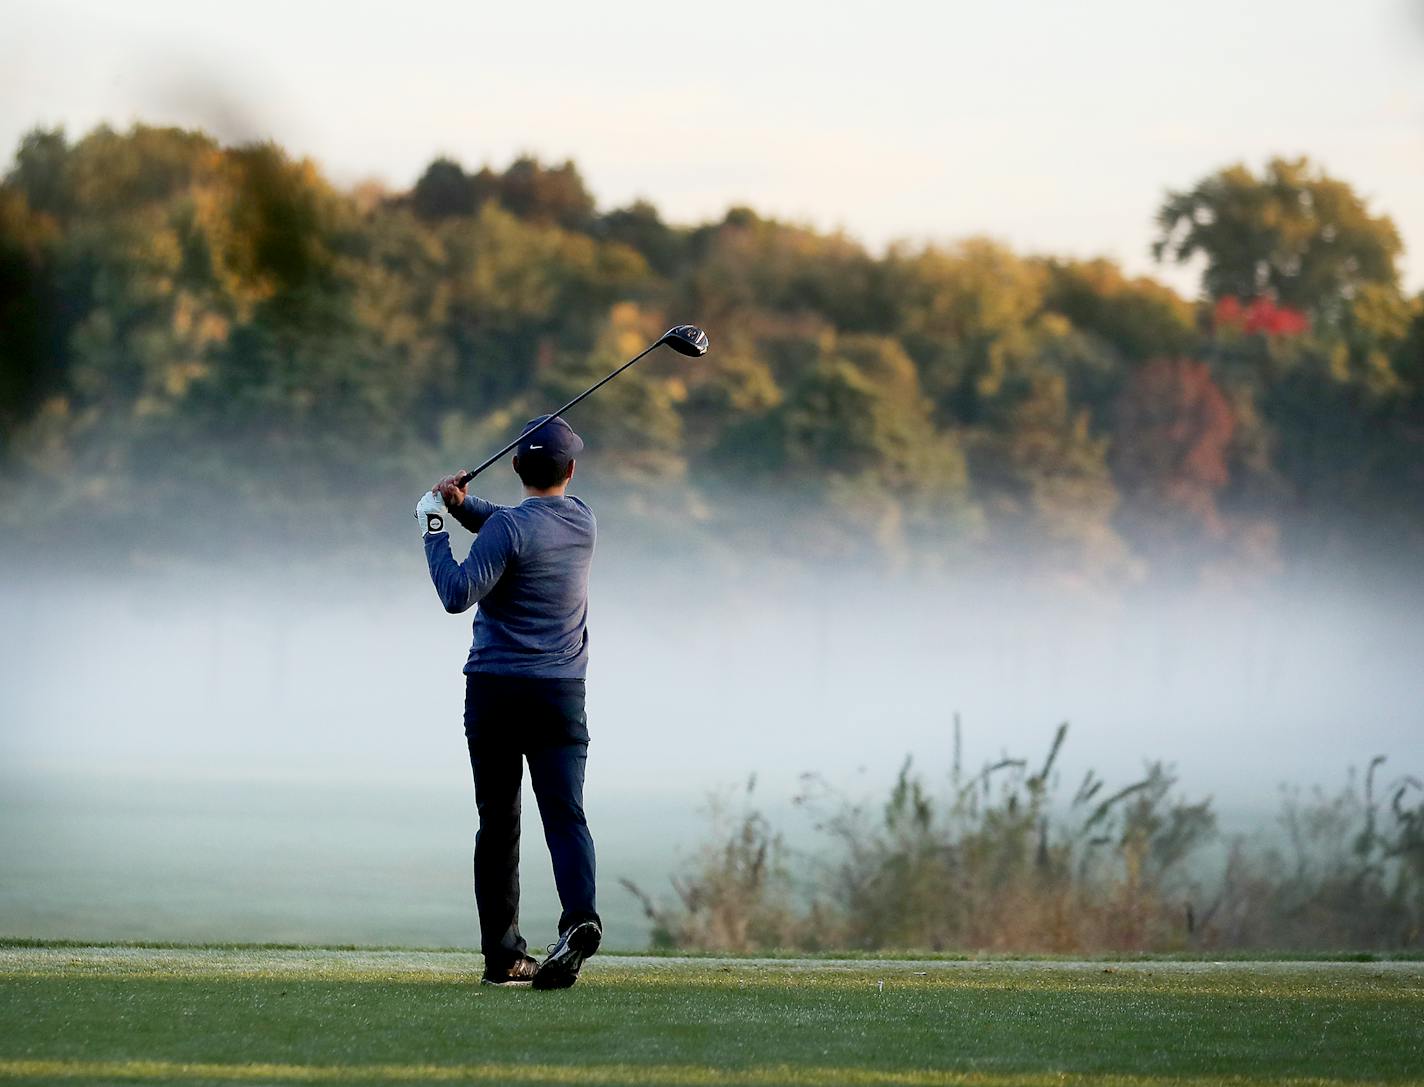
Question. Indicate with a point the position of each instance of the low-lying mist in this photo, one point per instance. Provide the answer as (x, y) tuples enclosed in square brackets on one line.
[(699, 676), (287, 729)]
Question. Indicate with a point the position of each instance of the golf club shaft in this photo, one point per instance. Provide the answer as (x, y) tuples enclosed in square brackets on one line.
[(465, 477)]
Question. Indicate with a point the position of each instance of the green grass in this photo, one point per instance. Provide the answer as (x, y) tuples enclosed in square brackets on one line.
[(217, 1015), (1258, 955)]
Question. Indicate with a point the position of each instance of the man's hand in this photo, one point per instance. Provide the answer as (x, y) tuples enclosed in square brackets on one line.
[(451, 491), (430, 513)]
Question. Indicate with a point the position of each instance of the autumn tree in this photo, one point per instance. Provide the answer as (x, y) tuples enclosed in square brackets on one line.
[(960, 313), (1174, 430)]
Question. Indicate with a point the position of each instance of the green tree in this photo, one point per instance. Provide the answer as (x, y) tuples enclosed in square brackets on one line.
[(31, 362), (1137, 317), (858, 424), (546, 194), (748, 264), (637, 426), (640, 227), (445, 191), (551, 195), (39, 171), (1043, 477), (521, 290), (960, 313), (1293, 234)]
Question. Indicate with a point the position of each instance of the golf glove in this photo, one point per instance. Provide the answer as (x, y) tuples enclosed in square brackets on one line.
[(430, 513)]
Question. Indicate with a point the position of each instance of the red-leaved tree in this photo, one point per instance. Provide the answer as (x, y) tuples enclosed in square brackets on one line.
[(1174, 428), (1259, 316)]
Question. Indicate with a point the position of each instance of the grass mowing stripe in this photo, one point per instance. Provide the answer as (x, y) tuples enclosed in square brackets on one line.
[(1041, 986), (1393, 982), (1337, 991), (677, 1075), (889, 955)]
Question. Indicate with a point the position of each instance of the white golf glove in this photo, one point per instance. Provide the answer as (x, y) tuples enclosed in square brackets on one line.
[(430, 513)]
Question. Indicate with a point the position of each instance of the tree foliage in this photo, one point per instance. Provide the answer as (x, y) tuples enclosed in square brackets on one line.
[(1291, 234), (174, 313)]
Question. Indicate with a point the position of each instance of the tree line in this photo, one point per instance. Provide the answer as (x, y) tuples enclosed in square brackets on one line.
[(179, 318)]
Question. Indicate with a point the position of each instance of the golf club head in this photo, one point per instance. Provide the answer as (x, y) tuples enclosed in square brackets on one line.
[(686, 340)]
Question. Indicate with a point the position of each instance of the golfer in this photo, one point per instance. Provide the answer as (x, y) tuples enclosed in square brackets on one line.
[(524, 691)]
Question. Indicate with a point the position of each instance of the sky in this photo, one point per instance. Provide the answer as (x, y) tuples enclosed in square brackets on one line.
[(1055, 127)]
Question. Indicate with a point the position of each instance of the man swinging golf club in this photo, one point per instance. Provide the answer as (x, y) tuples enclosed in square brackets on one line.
[(524, 678), (524, 691)]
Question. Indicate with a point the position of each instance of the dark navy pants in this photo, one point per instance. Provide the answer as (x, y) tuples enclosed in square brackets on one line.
[(508, 720)]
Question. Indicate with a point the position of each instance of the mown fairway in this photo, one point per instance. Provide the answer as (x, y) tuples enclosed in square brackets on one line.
[(196, 1016)]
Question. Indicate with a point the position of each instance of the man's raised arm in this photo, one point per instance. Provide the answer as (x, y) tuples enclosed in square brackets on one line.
[(460, 586)]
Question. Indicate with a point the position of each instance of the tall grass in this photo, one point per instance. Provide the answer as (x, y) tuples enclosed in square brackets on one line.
[(1006, 859)]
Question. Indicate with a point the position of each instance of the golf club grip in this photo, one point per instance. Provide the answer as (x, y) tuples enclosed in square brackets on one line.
[(464, 478)]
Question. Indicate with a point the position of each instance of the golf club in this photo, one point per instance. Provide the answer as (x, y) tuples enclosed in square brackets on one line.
[(684, 339)]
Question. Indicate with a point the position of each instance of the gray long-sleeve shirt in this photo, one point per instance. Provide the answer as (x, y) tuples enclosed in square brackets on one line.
[(528, 572)]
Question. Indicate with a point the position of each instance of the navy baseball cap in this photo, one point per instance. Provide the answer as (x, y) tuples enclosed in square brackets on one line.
[(554, 439)]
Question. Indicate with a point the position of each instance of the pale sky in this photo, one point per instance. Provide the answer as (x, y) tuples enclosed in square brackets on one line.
[(1054, 126)]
